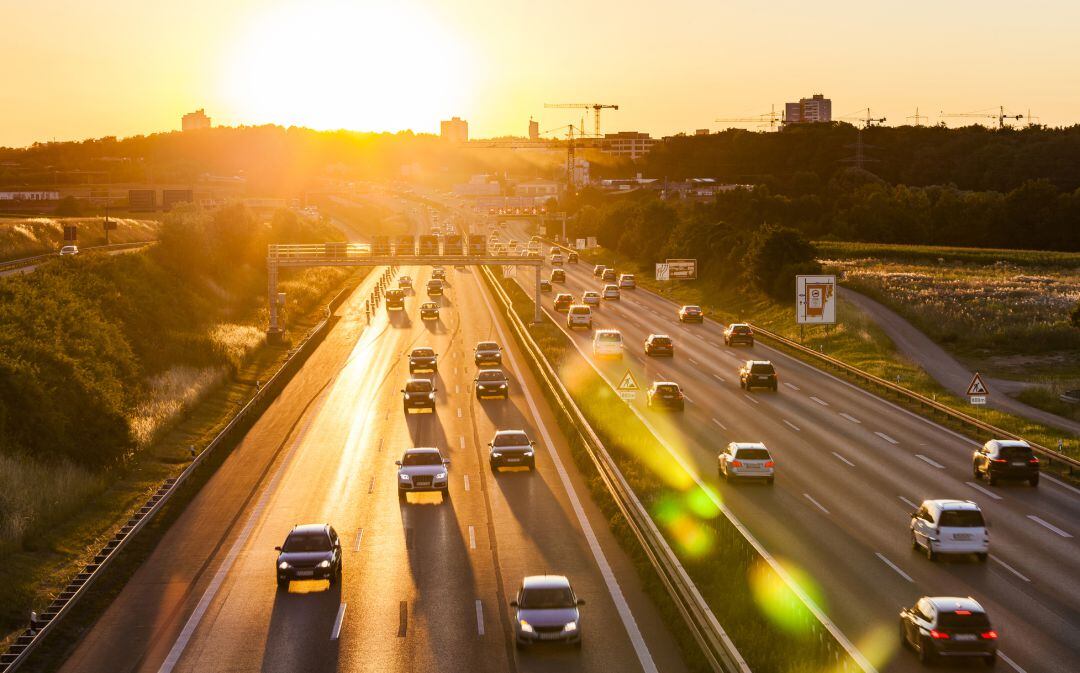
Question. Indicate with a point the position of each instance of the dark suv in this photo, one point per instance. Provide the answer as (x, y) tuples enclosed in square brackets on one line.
[(487, 353), (311, 551), (418, 394), (422, 360), (948, 627), (598, 270), (1006, 459), (492, 383), (738, 333), (659, 344), (757, 374), (512, 448), (665, 395)]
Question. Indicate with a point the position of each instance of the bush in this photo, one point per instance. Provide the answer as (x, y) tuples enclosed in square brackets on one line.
[(776, 255)]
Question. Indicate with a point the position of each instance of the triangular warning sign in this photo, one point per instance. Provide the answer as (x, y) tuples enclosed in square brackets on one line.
[(628, 382), (977, 386)]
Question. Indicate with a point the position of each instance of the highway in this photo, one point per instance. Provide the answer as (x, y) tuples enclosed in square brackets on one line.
[(850, 469), (426, 583)]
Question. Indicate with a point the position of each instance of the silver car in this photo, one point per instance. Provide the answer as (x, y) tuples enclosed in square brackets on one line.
[(950, 527), (746, 460), (546, 610), (422, 469)]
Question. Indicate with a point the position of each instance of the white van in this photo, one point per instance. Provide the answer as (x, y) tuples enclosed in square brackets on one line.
[(950, 527), (579, 315), (607, 343)]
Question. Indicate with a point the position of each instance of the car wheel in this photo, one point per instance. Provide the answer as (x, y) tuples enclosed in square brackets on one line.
[(926, 653), (532, 464), (914, 541), (518, 644), (982, 556), (930, 553), (773, 387), (577, 643), (903, 636), (975, 471), (282, 584), (1034, 481), (726, 475), (401, 496), (742, 384), (445, 493), (751, 344)]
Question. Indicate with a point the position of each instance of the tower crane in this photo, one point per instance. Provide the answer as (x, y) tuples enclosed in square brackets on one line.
[(867, 121), (595, 107), (774, 119), (570, 152), (1000, 116)]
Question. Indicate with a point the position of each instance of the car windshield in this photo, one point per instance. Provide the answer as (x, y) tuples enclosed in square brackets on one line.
[(546, 599), (1015, 452), (609, 336), (422, 458), (394, 294), (963, 620), (661, 341), (692, 309), (487, 346), (741, 329), (306, 542), (579, 310), (429, 306), (511, 439), (667, 388), (752, 454), (564, 297), (592, 294), (962, 518), (423, 352), (491, 375), (761, 368), (418, 386)]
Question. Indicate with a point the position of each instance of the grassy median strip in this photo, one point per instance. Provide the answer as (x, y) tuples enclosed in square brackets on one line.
[(767, 622)]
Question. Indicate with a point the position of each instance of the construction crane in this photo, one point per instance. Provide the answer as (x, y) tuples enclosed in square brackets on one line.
[(867, 121), (773, 119), (918, 118), (595, 107), (1000, 116), (571, 150)]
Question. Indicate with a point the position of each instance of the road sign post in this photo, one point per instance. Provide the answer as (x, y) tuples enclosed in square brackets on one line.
[(628, 387), (977, 392)]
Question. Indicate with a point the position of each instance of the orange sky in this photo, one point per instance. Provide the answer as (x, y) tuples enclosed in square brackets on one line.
[(77, 70)]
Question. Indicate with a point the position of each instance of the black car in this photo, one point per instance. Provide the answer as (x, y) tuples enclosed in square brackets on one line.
[(487, 353), (659, 344), (558, 276), (948, 627), (418, 394), (423, 360), (571, 258), (429, 310), (757, 374), (563, 302), (691, 314), (491, 384), (545, 286), (598, 270), (434, 287), (511, 448), (438, 273), (311, 551), (739, 333), (1006, 459), (665, 395)]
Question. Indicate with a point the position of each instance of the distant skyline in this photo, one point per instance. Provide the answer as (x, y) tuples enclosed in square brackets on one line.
[(80, 70)]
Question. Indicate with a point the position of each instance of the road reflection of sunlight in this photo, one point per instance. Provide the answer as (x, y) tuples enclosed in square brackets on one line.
[(308, 586)]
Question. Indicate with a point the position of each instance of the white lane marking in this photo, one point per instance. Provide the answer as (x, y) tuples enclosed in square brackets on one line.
[(850, 418), (641, 648), (1048, 525), (693, 361), (1061, 483), (790, 424), (459, 412), (982, 490), (843, 459), (1010, 662), (818, 504), (337, 623), (1009, 568), (908, 502), (479, 617), (722, 426), (895, 567), (359, 539), (791, 385), (687, 398), (457, 390), (719, 378), (930, 461), (886, 438), (455, 370), (819, 401), (241, 540), (750, 398), (466, 482), (472, 538), (461, 441)]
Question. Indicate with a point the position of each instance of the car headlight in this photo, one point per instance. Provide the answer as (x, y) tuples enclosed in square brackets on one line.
[(525, 626), (431, 396), (528, 452), (324, 564), (402, 476), (570, 627), (496, 454), (284, 565), (441, 475), (502, 386)]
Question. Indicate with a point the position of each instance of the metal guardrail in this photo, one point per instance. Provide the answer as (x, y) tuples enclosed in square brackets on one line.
[(31, 638), (710, 636), (38, 259)]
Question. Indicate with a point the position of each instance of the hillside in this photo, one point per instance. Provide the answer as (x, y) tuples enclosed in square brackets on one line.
[(26, 237)]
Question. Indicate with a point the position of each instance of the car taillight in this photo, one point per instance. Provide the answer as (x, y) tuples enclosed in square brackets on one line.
[(736, 463), (938, 635), (989, 635), (998, 460), (1034, 460), (769, 463)]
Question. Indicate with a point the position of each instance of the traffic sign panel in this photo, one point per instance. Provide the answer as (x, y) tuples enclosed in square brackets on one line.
[(977, 387), (628, 383)]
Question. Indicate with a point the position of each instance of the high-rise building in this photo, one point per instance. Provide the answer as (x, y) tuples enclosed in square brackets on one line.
[(194, 121), (455, 130), (811, 110), (534, 129)]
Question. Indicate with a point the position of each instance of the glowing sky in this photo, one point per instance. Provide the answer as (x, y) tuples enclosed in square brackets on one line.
[(123, 67)]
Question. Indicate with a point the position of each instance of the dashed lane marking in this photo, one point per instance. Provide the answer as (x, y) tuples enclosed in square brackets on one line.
[(895, 567), (842, 459), (886, 438), (359, 539), (930, 461), (819, 401), (984, 491), (792, 386), (722, 426), (337, 623), (1048, 525), (850, 418), (816, 503), (1008, 567), (479, 617), (790, 425)]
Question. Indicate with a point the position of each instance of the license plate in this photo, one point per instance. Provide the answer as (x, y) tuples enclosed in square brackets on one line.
[(965, 636), (550, 636), (961, 536), (1018, 463), (763, 378), (488, 397), (305, 573)]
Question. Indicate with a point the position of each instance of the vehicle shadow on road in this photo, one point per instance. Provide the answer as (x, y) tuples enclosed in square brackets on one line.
[(297, 620)]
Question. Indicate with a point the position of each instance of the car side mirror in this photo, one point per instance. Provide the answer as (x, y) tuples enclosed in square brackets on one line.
[(397, 462), (402, 390), (532, 442), (513, 604), (914, 514), (277, 548), (581, 601), (446, 461)]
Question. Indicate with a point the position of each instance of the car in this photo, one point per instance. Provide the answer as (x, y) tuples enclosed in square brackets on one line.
[(609, 275), (558, 276), (545, 286), (607, 343), (310, 551), (434, 287), (590, 298), (556, 259), (429, 310), (487, 353), (598, 270), (511, 448), (738, 333), (627, 281), (405, 282), (69, 250), (563, 301), (758, 374), (746, 460), (579, 315), (423, 359), (950, 527), (420, 470), (611, 292), (691, 313), (1006, 459), (491, 384), (665, 395), (939, 627), (659, 344), (546, 609), (571, 258), (395, 300), (418, 394), (438, 273)]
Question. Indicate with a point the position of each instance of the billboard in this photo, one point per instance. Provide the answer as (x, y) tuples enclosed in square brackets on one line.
[(815, 300), (682, 269)]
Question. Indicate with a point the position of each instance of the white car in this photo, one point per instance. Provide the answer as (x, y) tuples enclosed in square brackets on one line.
[(746, 460), (607, 343), (591, 298), (69, 250), (422, 469), (611, 292), (950, 527), (627, 281), (556, 259), (579, 315)]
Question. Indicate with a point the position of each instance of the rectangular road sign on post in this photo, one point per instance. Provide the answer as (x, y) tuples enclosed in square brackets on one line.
[(682, 269), (663, 271), (815, 300), (581, 243), (590, 242)]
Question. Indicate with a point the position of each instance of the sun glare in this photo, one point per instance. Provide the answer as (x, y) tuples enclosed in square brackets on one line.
[(330, 65)]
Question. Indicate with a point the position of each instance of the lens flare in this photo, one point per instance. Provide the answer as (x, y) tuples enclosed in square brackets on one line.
[(779, 602)]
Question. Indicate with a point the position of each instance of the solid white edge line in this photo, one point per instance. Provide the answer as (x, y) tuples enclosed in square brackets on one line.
[(1048, 526), (843, 459), (790, 424), (1010, 662), (816, 503), (1009, 568), (336, 632), (930, 461), (479, 617), (850, 418), (819, 401), (1061, 483), (641, 648), (894, 567), (886, 438), (984, 491), (860, 660)]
